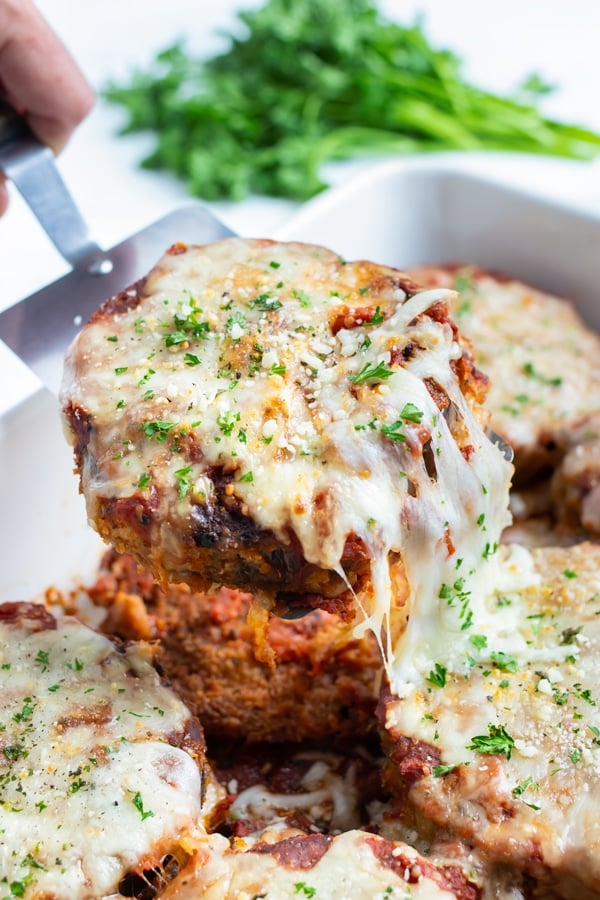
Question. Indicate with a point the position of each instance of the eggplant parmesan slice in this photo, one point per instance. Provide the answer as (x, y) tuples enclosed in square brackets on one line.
[(543, 362), (269, 416), (503, 751), (101, 765)]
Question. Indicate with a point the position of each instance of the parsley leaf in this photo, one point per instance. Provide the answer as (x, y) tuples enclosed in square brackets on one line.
[(378, 371), (497, 740)]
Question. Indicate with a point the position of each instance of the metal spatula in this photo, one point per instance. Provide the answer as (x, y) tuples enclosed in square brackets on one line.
[(40, 327)]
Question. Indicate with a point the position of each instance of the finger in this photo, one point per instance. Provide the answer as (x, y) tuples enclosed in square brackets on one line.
[(40, 77), (3, 196)]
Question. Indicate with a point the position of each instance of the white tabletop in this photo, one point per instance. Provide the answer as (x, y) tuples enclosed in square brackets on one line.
[(499, 42)]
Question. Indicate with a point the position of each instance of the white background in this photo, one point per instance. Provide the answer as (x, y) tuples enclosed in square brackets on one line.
[(500, 43)]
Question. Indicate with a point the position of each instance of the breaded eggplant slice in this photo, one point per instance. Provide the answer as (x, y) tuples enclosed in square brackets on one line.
[(504, 751), (268, 416), (542, 360), (101, 765), (324, 683)]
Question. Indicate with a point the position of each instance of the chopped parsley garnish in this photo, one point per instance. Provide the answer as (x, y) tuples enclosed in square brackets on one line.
[(187, 327), (568, 636), (183, 478), (226, 422), (438, 771), (265, 302), (157, 429), (120, 404), (277, 369), (239, 319), (112, 337), (530, 371), (26, 712), (139, 805), (301, 887), (175, 338), (248, 476), (463, 283), (583, 694), (146, 377), (569, 573), (144, 480), (504, 662), (437, 676), (15, 751), (478, 640), (302, 297), (393, 432), (411, 413), (523, 786), (43, 659), (378, 371), (377, 318), (120, 370), (190, 359), (76, 665), (455, 594), (498, 740)]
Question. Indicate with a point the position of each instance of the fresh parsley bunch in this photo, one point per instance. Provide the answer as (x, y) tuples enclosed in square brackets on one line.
[(310, 81)]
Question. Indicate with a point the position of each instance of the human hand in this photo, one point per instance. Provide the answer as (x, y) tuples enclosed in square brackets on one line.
[(39, 77)]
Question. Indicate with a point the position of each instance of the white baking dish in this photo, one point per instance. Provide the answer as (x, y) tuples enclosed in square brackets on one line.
[(398, 213)]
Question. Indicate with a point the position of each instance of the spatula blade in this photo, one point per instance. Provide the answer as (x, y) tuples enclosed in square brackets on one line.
[(40, 327)]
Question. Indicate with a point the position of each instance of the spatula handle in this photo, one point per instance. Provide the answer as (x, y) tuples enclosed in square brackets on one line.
[(30, 166)]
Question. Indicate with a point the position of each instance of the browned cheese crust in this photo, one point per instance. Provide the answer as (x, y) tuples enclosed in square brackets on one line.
[(323, 684)]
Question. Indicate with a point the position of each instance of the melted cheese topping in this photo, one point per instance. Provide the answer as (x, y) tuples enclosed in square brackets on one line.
[(542, 360), (350, 867), (518, 731), (90, 786), (331, 433)]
